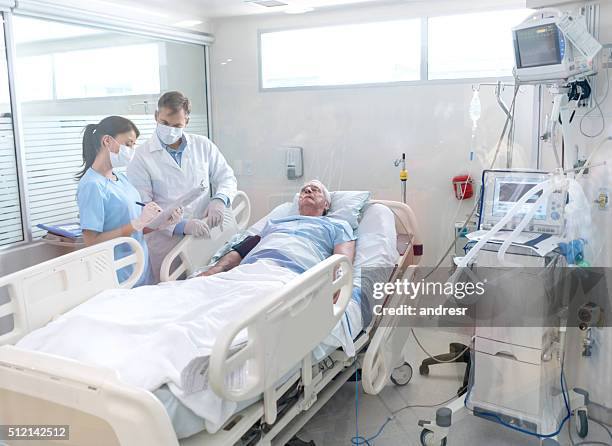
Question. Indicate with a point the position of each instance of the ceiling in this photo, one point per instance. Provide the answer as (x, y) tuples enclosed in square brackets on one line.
[(211, 9)]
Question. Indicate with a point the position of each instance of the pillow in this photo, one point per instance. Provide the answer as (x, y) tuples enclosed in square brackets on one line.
[(345, 205)]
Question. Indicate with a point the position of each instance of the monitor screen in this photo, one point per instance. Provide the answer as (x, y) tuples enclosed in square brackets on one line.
[(509, 191), (537, 46)]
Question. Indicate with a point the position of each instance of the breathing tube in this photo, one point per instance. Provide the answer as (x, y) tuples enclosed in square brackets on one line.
[(577, 212)]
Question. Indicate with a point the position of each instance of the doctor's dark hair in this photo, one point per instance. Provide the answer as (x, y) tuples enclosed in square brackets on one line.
[(175, 101), (93, 133)]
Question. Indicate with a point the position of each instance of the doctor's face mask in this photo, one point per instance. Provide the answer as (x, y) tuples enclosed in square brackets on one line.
[(170, 124)]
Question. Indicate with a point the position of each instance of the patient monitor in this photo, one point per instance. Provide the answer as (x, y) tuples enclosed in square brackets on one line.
[(557, 48), (501, 189)]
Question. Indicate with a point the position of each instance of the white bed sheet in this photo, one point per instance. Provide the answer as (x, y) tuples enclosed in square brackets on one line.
[(186, 423), (108, 318)]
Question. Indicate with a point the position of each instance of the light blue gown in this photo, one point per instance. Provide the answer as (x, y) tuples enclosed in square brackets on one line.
[(105, 205), (299, 242)]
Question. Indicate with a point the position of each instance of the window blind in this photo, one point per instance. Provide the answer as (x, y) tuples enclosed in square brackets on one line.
[(11, 229)]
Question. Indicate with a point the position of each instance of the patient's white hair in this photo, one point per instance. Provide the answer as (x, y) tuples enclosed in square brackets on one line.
[(323, 189)]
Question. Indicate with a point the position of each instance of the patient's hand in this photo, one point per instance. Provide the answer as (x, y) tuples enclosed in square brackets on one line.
[(212, 271), (336, 296)]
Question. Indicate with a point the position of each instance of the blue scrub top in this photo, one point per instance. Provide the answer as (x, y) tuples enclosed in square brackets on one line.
[(105, 205)]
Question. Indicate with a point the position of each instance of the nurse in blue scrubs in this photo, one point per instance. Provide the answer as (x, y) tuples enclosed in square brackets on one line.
[(108, 203)]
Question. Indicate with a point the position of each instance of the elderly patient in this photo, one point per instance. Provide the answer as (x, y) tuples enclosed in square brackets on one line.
[(296, 242)]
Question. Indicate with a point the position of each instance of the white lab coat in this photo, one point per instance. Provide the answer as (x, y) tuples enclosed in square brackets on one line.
[(158, 177)]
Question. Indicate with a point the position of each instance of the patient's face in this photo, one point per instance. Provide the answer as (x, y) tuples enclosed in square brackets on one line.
[(312, 201)]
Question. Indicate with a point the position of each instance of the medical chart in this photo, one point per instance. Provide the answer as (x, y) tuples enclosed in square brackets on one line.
[(182, 201)]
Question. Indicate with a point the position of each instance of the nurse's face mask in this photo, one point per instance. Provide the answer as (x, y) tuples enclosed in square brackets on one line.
[(123, 156)]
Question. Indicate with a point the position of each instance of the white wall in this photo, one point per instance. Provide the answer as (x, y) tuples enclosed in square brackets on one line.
[(352, 135)]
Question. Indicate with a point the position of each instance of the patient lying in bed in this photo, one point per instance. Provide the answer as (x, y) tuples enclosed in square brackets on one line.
[(297, 242), (152, 335)]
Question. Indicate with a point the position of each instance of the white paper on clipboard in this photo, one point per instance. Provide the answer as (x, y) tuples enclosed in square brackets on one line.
[(182, 201)]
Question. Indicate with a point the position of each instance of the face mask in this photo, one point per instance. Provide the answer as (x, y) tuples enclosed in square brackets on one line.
[(169, 135), (121, 158)]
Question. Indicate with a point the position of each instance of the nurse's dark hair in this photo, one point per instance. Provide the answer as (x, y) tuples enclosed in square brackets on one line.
[(93, 133)]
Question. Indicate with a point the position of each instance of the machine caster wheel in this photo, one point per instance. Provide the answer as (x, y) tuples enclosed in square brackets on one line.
[(427, 439), (424, 370), (582, 423), (402, 374)]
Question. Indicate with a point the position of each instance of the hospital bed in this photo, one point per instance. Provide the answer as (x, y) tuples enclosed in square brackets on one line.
[(37, 388)]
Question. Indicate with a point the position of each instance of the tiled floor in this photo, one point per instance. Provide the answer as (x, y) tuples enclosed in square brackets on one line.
[(334, 424)]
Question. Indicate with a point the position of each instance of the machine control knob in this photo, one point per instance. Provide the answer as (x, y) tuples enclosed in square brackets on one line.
[(555, 215)]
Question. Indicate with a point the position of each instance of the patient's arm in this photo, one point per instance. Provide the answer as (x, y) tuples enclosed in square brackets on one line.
[(225, 263), (233, 258), (347, 249)]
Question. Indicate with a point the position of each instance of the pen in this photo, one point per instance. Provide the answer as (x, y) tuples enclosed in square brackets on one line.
[(140, 204)]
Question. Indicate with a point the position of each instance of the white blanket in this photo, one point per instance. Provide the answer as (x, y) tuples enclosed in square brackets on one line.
[(150, 334)]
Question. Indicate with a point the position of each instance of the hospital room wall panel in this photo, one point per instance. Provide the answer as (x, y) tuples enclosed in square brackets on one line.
[(352, 135)]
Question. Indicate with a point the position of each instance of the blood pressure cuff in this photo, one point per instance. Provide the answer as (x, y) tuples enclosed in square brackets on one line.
[(245, 246)]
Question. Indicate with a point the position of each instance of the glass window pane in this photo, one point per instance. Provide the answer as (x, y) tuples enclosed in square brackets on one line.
[(71, 76), (472, 45), (11, 229), (342, 55), (86, 73), (35, 75)]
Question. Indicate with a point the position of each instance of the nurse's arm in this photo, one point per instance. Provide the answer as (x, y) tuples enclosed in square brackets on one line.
[(93, 237)]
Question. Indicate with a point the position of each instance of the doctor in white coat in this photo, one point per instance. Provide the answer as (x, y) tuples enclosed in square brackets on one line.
[(173, 162)]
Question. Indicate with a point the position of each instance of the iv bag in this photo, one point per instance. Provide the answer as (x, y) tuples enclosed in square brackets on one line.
[(475, 109)]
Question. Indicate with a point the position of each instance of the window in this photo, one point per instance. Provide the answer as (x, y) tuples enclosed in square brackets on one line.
[(36, 78), (90, 73), (342, 55), (78, 74), (472, 45), (11, 228)]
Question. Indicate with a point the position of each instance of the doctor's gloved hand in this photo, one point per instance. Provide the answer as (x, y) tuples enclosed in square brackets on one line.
[(148, 214), (214, 213), (173, 219), (197, 228)]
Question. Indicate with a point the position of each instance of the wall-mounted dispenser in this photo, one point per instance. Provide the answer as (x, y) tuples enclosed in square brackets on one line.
[(295, 163)]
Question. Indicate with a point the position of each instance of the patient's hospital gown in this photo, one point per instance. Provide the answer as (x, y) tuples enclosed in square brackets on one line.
[(299, 242)]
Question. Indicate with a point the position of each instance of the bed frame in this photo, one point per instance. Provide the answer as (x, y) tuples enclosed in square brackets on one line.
[(37, 388), (191, 253)]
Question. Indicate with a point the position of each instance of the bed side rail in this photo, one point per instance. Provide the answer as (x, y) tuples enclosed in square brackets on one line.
[(30, 298), (389, 333), (282, 332), (191, 253), (37, 388), (385, 351)]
